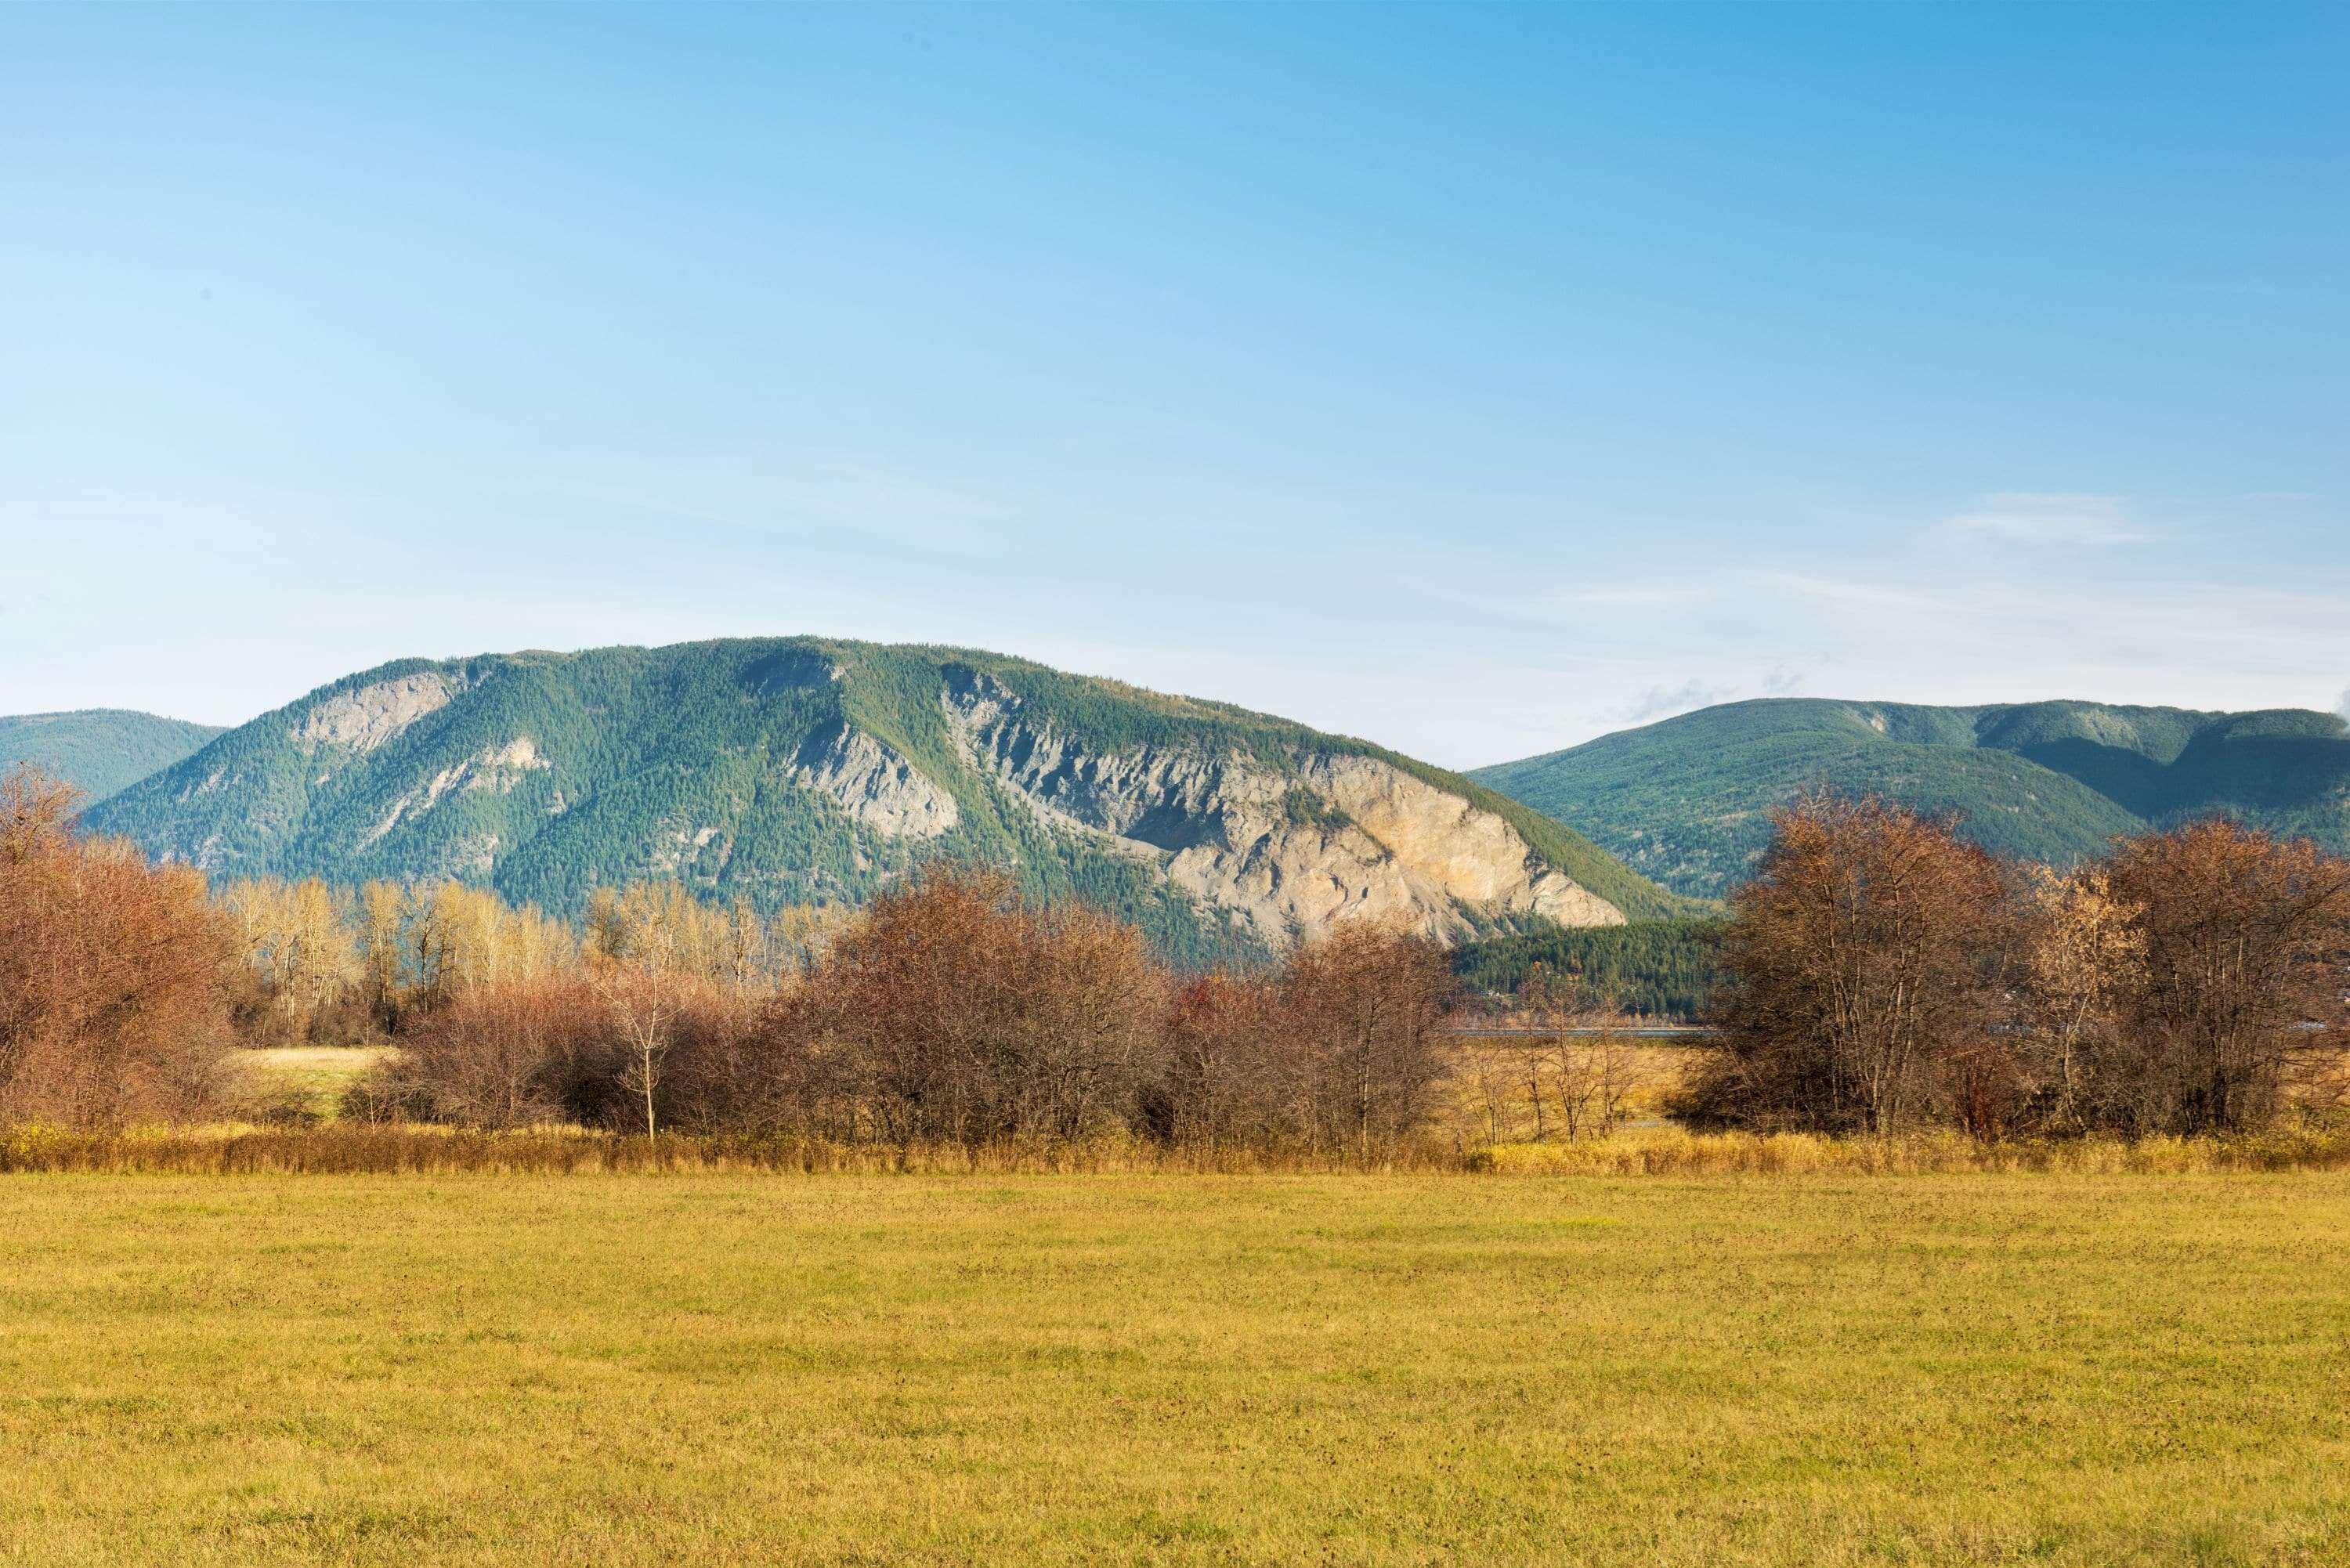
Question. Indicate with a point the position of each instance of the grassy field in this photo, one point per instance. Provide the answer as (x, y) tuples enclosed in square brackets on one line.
[(309, 1079), (710, 1369)]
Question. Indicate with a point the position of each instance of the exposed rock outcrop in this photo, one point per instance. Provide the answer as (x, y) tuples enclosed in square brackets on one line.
[(1292, 849), (497, 768), (366, 717), (877, 787)]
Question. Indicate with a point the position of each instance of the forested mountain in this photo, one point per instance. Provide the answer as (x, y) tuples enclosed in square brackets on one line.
[(804, 771), (1686, 800), (98, 750)]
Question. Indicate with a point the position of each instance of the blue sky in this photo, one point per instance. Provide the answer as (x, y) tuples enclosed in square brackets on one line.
[(1477, 381)]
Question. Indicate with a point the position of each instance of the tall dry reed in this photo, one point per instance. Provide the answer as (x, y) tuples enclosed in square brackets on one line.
[(391, 1149)]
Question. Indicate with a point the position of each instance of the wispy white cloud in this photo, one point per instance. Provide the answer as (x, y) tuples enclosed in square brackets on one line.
[(2049, 517), (1661, 702), (1844, 594), (1635, 596), (1664, 701)]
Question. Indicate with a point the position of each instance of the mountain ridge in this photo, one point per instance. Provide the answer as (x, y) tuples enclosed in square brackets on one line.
[(99, 751), (796, 770), (1685, 800)]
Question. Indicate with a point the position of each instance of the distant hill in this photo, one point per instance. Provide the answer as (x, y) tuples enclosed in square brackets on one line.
[(802, 770), (1685, 801), (98, 750)]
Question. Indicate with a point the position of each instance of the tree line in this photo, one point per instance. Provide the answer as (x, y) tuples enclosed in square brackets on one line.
[(949, 1010), (1648, 968), (1879, 976), (1883, 975)]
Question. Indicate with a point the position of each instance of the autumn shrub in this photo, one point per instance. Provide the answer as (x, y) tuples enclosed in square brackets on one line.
[(1363, 1009), (2243, 961), (1225, 1075), (113, 974), (1886, 977), (581, 1046), (952, 1011), (1863, 980)]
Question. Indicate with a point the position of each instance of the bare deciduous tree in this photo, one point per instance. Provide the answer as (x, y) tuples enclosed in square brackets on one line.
[(1580, 1067), (1862, 961), (113, 974), (643, 1010), (1365, 1007), (2082, 953), (2243, 936)]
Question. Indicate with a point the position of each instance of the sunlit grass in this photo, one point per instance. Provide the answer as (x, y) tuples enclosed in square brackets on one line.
[(307, 1079), (713, 1369)]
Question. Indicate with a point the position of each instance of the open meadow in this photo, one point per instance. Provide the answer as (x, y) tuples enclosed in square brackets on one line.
[(1353, 1368)]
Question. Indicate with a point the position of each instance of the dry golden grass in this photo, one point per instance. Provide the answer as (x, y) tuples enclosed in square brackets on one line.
[(1665, 1151), (351, 1148), (700, 1369), (234, 1148), (307, 1080), (1492, 1085)]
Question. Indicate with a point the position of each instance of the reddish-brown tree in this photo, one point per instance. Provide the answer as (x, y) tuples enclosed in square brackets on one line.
[(2244, 939), (504, 1054), (1364, 1008), (950, 1012), (1228, 1074), (1862, 960), (114, 974)]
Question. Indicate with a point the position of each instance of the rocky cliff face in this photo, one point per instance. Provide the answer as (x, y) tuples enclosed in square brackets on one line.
[(1291, 848), (880, 790), (496, 768), (363, 720)]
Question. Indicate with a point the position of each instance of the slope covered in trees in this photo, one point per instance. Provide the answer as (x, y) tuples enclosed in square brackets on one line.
[(804, 771), (1657, 969), (97, 751), (1685, 801)]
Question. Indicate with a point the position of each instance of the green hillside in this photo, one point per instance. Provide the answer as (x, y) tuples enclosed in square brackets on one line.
[(1685, 801), (792, 771), (1658, 968), (98, 750)]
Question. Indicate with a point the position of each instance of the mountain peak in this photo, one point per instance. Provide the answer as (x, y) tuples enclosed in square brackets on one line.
[(1686, 800), (798, 770), (98, 750)]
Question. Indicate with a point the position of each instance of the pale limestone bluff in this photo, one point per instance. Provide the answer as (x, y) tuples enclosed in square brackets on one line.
[(1291, 851), (877, 787), (211, 781), (495, 768), (477, 855), (366, 717), (677, 850)]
